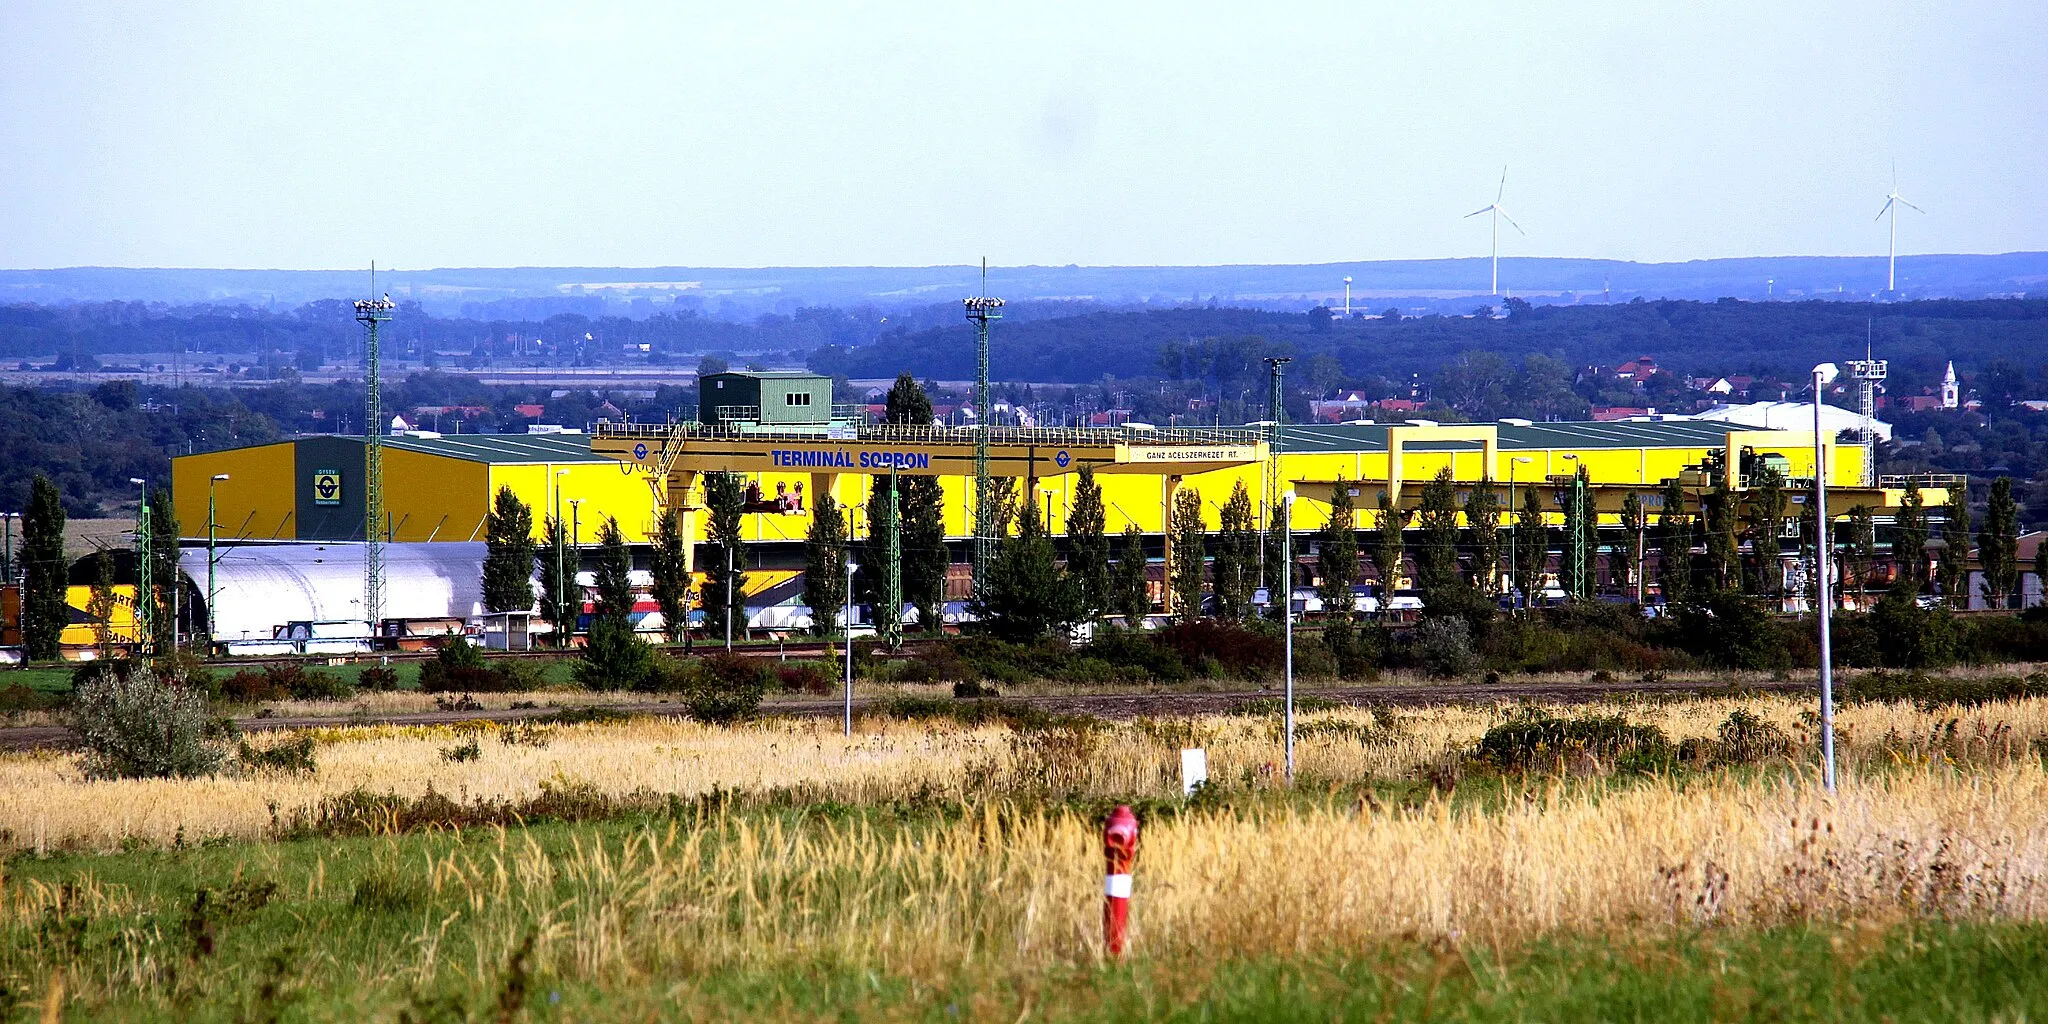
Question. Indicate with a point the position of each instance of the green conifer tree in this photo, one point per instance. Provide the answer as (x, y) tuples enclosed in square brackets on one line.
[(1129, 594), (1237, 556), (825, 564), (1088, 544), (1998, 545), (669, 566), (508, 555), (1189, 565), (44, 612), (725, 558)]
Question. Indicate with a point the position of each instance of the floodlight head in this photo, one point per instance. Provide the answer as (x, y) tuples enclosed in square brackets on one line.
[(220, 476), (1347, 279), (1524, 459), (138, 481), (1825, 374), (1287, 496), (1569, 458)]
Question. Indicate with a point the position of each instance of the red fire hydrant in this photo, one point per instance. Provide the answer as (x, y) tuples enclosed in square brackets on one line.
[(1119, 852)]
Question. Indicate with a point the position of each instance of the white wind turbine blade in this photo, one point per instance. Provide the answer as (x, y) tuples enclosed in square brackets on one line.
[(1502, 193), (1504, 216), (1887, 209), (1475, 213), (1908, 203)]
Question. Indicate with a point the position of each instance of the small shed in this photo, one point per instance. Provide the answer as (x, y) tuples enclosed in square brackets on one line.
[(777, 397)]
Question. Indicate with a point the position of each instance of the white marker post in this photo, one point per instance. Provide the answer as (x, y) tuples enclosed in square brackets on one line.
[(1194, 770)]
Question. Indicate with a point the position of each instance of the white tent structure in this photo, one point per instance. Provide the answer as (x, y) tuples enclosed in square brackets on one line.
[(1793, 416), (262, 586)]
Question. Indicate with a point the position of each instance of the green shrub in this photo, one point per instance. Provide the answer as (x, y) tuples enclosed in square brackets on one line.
[(1443, 647), (613, 656), (1732, 630), (1136, 653), (301, 684), (1746, 739), (1240, 651), (812, 677), (293, 757), (724, 688), (378, 679), (1928, 693), (17, 698), (142, 727), (1533, 741), (1909, 636)]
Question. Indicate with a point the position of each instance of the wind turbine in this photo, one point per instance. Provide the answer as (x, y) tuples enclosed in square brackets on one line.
[(1499, 214), (1892, 201)]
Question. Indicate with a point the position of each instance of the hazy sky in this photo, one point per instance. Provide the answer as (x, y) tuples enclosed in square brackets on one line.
[(310, 135)]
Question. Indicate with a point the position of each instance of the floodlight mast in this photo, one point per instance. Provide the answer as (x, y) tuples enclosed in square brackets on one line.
[(981, 309), (370, 313)]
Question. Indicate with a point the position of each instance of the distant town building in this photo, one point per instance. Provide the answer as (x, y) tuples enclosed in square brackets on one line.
[(1951, 389)]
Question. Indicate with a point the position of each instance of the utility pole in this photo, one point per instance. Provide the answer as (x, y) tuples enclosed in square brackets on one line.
[(561, 587), (370, 313), (728, 598), (212, 538), (1276, 368), (1287, 555), (1823, 375), (145, 596), (981, 309)]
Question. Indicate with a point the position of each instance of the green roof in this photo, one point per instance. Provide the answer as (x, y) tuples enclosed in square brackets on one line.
[(1372, 437), (502, 448)]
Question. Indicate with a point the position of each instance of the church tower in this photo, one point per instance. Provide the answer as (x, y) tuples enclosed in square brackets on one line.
[(1951, 390)]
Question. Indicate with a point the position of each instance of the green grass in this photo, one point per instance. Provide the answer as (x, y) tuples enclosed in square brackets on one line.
[(263, 949)]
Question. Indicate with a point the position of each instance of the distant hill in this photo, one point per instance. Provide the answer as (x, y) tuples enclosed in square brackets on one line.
[(1699, 337), (1446, 285)]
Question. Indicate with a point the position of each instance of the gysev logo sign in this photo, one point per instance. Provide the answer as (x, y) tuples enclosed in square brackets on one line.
[(327, 487)]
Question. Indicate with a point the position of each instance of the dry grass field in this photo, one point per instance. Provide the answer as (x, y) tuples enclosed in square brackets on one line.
[(940, 870)]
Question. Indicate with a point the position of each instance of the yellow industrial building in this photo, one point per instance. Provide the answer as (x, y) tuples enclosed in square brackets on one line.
[(441, 489)]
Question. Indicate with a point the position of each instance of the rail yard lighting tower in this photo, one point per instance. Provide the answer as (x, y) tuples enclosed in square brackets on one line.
[(370, 313), (1868, 373), (145, 598), (212, 538), (1514, 592), (981, 309), (1823, 375)]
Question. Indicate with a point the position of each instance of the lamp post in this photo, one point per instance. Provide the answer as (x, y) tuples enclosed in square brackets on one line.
[(1287, 614), (851, 568), (1515, 595), (212, 532), (145, 598), (1347, 296), (1578, 524), (573, 587), (728, 599), (1823, 375)]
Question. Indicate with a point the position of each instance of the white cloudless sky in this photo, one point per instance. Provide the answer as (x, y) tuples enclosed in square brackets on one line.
[(312, 135)]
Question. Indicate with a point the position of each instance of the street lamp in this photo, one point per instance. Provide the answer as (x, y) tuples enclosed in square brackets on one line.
[(1287, 614), (1578, 525), (145, 598), (572, 587), (212, 532), (1514, 566), (851, 568), (1347, 296), (1823, 375)]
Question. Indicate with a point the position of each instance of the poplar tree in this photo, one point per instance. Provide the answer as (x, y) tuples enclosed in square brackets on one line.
[(1634, 524), (1482, 517), (1674, 545), (1027, 596), (44, 612), (725, 564), (920, 513), (1953, 567), (613, 657), (1998, 545), (100, 604), (1532, 547), (1909, 543), (1185, 571), (164, 572), (1436, 558), (1766, 515), (1389, 540), (1237, 556), (1088, 545), (508, 555), (669, 565), (1337, 557), (1723, 555), (1128, 594), (1859, 549), (825, 564), (559, 599)]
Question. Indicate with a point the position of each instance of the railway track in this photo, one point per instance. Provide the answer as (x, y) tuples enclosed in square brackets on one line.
[(1102, 705)]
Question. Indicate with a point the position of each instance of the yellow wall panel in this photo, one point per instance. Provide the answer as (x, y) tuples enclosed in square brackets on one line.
[(433, 497), (256, 501)]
